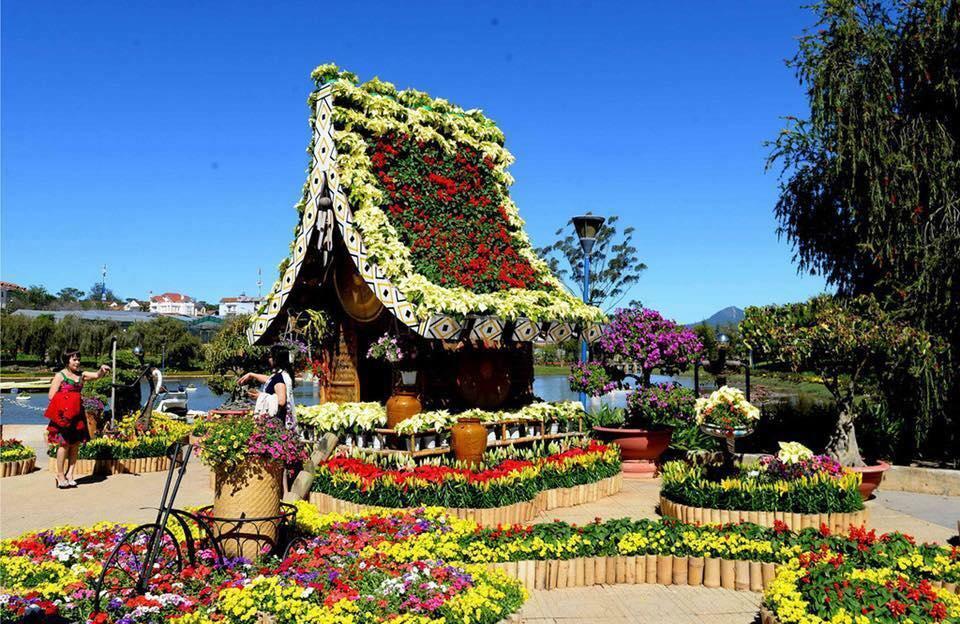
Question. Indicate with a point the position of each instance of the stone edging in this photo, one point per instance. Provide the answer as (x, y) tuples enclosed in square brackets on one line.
[(115, 466), (795, 521), (14, 468), (511, 514)]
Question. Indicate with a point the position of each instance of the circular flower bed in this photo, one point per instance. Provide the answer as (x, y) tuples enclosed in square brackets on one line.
[(501, 482), (15, 458), (812, 485)]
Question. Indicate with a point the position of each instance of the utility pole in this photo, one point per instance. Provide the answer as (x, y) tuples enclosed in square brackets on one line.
[(259, 284)]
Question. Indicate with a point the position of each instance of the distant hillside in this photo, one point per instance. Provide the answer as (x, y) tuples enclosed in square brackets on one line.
[(728, 316)]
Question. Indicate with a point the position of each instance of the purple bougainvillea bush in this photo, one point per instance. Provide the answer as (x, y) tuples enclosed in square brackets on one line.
[(644, 337)]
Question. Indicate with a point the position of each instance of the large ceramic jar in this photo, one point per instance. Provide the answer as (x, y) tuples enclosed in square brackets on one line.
[(469, 440), (401, 406), (640, 449), (251, 490)]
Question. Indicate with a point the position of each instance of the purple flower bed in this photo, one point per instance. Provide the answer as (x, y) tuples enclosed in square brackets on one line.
[(643, 336)]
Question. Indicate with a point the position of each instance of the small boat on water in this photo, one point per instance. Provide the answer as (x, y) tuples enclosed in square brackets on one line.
[(22, 397), (191, 388)]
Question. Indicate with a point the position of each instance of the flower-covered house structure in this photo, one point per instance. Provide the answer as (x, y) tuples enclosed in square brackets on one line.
[(406, 227)]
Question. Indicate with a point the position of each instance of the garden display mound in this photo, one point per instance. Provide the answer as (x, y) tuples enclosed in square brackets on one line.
[(792, 521), (640, 449), (517, 513), (15, 468)]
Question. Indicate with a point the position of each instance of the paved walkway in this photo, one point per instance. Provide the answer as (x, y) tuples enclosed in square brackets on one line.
[(31, 502)]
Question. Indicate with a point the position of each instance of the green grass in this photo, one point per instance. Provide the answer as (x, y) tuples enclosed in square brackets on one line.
[(542, 369)]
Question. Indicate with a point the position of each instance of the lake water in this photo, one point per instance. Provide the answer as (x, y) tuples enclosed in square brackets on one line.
[(547, 387)]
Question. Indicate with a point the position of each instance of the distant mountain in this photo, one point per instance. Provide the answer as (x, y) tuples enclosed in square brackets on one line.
[(730, 315)]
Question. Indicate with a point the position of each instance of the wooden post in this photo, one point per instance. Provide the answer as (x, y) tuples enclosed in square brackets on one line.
[(113, 389)]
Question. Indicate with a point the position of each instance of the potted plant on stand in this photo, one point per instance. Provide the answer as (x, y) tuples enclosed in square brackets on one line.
[(404, 402), (852, 344), (647, 426), (248, 456)]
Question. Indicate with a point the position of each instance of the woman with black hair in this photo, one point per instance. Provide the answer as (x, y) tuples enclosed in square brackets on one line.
[(68, 425), (278, 384)]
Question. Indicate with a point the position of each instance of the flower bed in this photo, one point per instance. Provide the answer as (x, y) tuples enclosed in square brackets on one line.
[(130, 451), (762, 487), (16, 458), (54, 571), (507, 482), (372, 566)]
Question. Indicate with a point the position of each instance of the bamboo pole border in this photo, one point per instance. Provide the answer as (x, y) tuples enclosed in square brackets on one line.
[(794, 521), (19, 467), (517, 513), (710, 572), (116, 466)]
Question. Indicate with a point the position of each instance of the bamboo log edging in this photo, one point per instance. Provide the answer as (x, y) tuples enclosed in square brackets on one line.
[(116, 466), (754, 576), (517, 513), (794, 521), (19, 467)]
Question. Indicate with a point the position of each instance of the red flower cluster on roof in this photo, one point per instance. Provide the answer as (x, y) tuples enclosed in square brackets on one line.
[(449, 211)]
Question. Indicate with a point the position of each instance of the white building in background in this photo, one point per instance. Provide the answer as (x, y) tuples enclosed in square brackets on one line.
[(133, 306), (243, 304), (173, 303)]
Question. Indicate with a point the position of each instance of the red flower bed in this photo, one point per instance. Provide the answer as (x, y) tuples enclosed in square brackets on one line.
[(449, 211)]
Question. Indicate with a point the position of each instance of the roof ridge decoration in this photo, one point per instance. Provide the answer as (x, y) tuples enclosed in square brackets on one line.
[(367, 139)]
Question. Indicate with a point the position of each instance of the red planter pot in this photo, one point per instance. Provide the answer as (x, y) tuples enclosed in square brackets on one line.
[(872, 476), (639, 448)]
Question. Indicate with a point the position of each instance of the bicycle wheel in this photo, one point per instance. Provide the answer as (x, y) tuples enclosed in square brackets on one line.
[(125, 572)]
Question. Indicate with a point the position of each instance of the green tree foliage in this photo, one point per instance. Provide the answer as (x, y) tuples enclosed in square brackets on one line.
[(128, 369), (14, 330), (870, 193), (852, 343), (38, 337), (230, 354), (165, 335), (69, 294), (99, 293), (614, 263)]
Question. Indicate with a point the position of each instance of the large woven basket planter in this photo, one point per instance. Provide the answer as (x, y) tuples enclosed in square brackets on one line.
[(115, 466), (641, 569), (517, 513), (250, 491), (14, 468), (794, 521)]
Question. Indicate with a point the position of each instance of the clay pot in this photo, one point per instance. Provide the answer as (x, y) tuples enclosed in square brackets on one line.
[(639, 448), (469, 440), (872, 476), (401, 406)]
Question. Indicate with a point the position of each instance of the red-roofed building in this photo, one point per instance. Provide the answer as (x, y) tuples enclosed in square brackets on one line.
[(173, 303), (6, 288)]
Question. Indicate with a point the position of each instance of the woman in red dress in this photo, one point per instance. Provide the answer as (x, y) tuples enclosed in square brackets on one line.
[(68, 424)]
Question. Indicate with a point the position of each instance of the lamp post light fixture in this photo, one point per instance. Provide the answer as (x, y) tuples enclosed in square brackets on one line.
[(723, 344), (587, 228)]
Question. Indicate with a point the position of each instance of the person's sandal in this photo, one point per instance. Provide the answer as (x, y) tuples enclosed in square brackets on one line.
[(72, 483), (62, 486)]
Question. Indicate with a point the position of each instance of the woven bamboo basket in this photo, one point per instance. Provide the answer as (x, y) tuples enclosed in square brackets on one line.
[(249, 491), (14, 468)]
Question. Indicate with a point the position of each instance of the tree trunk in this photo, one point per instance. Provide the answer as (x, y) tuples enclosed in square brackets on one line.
[(843, 445)]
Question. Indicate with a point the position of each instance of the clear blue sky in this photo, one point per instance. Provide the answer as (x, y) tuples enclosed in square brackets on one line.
[(167, 139)]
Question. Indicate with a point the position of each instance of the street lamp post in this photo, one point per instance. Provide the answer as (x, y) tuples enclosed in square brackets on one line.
[(587, 227)]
